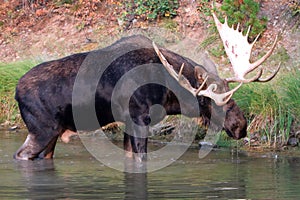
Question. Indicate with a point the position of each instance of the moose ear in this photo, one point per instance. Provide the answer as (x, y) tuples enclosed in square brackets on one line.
[(200, 74)]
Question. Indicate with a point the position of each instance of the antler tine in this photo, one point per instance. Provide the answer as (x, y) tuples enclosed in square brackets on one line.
[(257, 77), (165, 62), (201, 86), (238, 50), (271, 76), (262, 59), (254, 78), (248, 31), (179, 77), (220, 99), (184, 82)]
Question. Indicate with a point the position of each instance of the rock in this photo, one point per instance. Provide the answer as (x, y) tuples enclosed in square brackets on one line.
[(161, 129), (293, 141), (12, 128), (206, 144)]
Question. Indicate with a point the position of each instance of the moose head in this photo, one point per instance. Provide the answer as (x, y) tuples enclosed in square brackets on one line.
[(238, 50)]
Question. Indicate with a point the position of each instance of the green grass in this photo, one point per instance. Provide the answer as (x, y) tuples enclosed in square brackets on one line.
[(10, 74), (226, 141), (272, 108)]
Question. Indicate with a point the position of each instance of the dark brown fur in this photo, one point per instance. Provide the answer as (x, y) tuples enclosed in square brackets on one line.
[(44, 96)]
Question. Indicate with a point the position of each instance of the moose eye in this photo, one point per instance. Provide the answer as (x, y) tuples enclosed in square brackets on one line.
[(230, 108)]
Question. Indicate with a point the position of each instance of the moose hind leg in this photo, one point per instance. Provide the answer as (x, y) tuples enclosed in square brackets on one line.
[(48, 152), (42, 137), (36, 147)]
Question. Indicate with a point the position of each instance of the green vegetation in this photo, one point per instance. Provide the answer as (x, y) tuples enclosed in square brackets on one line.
[(204, 6), (295, 7), (225, 141), (273, 107), (170, 24), (154, 8), (245, 13), (151, 9), (10, 74)]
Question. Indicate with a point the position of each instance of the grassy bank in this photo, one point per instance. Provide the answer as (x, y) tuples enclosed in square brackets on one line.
[(272, 108), (10, 74)]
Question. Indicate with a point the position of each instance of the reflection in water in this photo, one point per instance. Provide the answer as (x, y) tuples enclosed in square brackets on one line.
[(75, 174), (40, 179), (135, 186), (135, 183)]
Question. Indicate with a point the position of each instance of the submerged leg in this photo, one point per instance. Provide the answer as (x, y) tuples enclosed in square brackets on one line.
[(43, 130), (37, 146), (139, 147), (135, 141), (48, 152), (127, 146)]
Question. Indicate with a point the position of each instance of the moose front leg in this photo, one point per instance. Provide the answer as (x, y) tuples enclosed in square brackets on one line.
[(127, 146), (139, 147), (135, 141)]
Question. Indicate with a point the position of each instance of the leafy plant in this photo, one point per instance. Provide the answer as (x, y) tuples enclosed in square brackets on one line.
[(204, 6), (154, 8), (225, 141), (245, 13), (150, 9), (295, 7)]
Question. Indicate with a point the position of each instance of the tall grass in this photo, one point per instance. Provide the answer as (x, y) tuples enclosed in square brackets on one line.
[(9, 76), (272, 108)]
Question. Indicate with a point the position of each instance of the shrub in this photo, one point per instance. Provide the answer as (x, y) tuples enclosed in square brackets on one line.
[(244, 12), (151, 9), (154, 8)]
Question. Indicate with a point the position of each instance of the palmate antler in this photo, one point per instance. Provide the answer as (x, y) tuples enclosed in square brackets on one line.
[(238, 49), (220, 99)]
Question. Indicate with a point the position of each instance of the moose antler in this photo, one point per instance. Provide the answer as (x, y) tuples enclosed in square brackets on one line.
[(220, 99), (238, 49)]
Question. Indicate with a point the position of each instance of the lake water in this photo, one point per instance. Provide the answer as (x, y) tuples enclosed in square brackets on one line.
[(75, 174)]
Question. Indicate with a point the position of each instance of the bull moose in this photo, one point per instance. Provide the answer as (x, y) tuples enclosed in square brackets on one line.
[(45, 94)]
